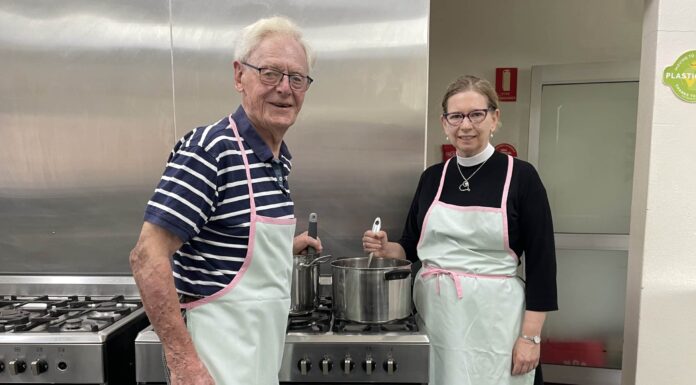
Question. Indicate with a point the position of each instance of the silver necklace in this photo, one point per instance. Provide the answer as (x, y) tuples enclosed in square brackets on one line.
[(465, 185)]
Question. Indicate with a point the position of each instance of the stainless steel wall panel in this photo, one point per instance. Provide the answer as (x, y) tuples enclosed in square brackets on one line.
[(86, 119), (94, 93), (358, 144)]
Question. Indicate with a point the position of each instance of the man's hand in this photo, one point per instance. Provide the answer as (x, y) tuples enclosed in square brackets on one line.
[(302, 241)]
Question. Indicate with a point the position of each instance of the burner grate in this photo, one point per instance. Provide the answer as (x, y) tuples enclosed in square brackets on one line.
[(61, 314), (407, 325)]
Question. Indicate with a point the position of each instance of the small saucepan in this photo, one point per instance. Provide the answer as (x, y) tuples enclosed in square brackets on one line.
[(305, 282)]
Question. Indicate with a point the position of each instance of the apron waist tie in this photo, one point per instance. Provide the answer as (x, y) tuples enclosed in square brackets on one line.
[(436, 271)]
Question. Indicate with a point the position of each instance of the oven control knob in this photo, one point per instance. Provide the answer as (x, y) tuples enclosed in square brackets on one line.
[(347, 365), (39, 366), (304, 365), (326, 365), (2, 366), (390, 366), (369, 366), (17, 366)]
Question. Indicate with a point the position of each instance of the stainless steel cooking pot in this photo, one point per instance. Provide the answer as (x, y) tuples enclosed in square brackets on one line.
[(376, 294), (305, 283)]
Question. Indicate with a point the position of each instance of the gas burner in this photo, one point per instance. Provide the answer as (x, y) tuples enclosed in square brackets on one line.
[(73, 323), (14, 316), (315, 322)]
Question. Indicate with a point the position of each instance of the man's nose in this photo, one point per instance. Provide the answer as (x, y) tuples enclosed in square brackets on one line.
[(284, 85)]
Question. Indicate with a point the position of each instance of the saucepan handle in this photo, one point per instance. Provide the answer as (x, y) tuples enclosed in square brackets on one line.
[(393, 275), (317, 261)]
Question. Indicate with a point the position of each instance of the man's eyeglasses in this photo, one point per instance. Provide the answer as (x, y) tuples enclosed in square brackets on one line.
[(272, 77), (475, 116)]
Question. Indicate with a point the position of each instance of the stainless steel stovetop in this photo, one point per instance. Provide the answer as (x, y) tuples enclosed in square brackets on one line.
[(319, 349), (68, 330)]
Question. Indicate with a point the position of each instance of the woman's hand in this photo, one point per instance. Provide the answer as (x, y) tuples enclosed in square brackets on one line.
[(375, 243), (525, 356)]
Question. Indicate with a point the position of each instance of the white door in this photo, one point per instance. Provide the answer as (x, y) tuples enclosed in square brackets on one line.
[(582, 142)]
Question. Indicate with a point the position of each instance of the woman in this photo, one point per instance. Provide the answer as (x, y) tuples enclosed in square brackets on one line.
[(471, 220)]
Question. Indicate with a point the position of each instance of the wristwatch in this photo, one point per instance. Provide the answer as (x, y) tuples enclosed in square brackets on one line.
[(535, 339)]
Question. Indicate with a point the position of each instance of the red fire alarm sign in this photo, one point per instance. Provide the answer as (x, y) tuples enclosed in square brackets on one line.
[(506, 84), (506, 148), (448, 151)]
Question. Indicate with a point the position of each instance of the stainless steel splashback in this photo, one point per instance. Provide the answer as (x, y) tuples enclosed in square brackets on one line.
[(93, 94)]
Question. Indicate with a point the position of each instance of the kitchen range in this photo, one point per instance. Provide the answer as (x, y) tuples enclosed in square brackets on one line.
[(68, 330), (322, 349)]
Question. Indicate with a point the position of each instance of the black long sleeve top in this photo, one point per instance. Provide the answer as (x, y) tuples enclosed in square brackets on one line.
[(530, 225)]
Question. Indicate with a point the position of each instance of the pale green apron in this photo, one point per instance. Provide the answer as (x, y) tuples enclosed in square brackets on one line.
[(468, 298), (239, 332)]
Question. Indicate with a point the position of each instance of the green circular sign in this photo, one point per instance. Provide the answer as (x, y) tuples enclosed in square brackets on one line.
[(681, 77)]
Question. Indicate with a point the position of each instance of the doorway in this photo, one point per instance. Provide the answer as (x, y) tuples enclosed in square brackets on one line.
[(582, 142)]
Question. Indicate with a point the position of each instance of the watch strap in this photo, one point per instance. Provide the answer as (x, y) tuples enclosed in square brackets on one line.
[(534, 339)]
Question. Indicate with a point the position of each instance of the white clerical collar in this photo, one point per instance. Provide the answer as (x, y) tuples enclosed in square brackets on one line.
[(476, 159)]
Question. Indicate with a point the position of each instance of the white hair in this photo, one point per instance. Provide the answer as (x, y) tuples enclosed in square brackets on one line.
[(252, 35)]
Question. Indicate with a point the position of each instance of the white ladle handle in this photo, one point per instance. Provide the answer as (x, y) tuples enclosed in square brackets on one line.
[(376, 226)]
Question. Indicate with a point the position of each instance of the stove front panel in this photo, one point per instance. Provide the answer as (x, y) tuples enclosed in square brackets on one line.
[(401, 358), (44, 364), (31, 353)]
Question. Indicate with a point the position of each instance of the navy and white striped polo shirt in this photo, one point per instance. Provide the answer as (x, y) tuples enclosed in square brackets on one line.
[(203, 198)]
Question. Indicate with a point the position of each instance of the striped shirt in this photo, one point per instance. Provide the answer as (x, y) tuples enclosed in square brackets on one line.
[(203, 198)]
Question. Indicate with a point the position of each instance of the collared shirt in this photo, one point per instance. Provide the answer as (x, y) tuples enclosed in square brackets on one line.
[(203, 199)]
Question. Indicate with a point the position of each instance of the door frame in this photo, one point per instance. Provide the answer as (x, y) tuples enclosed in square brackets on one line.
[(607, 72)]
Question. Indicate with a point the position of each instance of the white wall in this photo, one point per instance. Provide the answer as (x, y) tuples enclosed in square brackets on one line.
[(476, 36), (660, 342)]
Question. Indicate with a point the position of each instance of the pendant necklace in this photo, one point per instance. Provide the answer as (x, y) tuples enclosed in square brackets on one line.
[(465, 185)]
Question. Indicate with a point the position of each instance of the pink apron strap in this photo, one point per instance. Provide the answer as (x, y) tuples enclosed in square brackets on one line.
[(252, 201)]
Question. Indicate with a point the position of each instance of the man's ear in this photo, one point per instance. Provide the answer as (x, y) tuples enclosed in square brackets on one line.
[(238, 76)]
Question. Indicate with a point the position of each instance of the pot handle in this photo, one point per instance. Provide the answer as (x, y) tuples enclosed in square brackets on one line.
[(393, 275), (316, 261)]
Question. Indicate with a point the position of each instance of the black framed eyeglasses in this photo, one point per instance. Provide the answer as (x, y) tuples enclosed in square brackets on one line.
[(272, 77), (475, 116)]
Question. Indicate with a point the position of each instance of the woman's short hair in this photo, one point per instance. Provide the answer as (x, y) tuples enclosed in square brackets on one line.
[(252, 35), (471, 83)]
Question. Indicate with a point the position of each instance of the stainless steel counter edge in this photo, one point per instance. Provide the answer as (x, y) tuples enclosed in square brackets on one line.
[(64, 285), (148, 335), (386, 338)]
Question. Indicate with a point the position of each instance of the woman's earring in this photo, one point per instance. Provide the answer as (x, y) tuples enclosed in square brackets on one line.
[(491, 134), (447, 137)]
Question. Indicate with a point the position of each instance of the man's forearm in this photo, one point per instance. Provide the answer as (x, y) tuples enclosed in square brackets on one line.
[(150, 263)]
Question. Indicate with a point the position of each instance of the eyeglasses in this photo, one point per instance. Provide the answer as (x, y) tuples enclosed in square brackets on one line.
[(272, 77), (475, 116)]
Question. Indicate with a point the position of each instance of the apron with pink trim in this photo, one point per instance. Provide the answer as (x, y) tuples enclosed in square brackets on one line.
[(469, 301), (239, 332)]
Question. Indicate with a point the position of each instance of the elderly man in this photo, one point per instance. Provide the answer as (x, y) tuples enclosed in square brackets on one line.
[(222, 212)]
